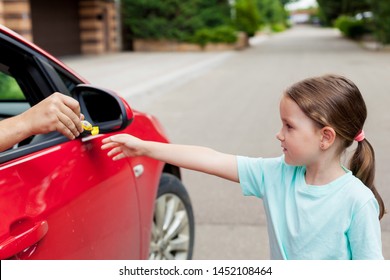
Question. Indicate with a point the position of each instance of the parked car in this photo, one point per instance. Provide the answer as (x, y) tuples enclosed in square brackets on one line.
[(66, 199)]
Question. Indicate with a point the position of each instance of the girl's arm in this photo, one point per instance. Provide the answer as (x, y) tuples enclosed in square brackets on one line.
[(190, 157)]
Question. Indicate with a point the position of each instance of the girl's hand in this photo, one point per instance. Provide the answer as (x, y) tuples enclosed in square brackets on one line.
[(123, 145)]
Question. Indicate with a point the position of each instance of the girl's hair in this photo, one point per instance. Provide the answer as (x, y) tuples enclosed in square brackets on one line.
[(335, 101)]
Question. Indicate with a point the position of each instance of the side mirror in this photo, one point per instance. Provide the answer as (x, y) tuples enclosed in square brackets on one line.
[(103, 108)]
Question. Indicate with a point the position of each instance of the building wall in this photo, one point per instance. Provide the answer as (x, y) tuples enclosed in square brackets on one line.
[(99, 28), (1, 13), (55, 26), (98, 21), (16, 16)]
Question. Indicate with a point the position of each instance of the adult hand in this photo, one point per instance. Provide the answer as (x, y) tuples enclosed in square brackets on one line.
[(57, 112)]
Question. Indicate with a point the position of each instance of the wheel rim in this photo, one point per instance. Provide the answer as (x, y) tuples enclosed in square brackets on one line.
[(170, 229)]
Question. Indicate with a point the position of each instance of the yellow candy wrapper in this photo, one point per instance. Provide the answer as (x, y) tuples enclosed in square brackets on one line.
[(88, 127), (95, 130)]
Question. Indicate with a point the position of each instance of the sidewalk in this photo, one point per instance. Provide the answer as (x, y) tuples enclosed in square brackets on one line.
[(131, 74)]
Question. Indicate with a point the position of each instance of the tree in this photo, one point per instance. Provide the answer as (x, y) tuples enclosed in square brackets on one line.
[(284, 2), (330, 10), (272, 11), (247, 17), (381, 10), (156, 19), (214, 13), (171, 19)]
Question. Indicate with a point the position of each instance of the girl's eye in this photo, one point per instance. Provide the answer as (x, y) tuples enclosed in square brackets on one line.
[(288, 126)]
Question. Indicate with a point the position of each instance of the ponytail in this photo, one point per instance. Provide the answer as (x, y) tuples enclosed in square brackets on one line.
[(362, 165)]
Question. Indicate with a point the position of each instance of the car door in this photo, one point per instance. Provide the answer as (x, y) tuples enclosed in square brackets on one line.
[(59, 199)]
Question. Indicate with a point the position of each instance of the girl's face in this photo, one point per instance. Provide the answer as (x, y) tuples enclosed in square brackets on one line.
[(300, 137)]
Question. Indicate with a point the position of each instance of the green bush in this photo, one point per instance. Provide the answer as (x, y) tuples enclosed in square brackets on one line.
[(351, 27), (220, 34), (171, 19), (272, 12), (247, 17), (278, 27), (214, 13), (156, 19), (9, 88)]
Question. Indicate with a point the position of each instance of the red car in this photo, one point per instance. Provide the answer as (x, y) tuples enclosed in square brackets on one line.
[(66, 199)]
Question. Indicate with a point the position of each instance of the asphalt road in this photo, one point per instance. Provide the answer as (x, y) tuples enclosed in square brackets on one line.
[(230, 103)]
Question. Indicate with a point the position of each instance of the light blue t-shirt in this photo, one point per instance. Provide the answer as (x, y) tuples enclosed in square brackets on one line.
[(338, 221)]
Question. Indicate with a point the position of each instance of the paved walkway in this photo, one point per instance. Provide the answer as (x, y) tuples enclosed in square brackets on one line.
[(131, 74)]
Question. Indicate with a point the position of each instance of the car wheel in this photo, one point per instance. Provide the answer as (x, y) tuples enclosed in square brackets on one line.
[(173, 222)]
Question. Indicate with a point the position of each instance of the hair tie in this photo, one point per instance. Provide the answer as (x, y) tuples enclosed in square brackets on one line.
[(360, 136)]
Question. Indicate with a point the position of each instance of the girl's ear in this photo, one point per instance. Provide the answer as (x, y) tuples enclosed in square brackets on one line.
[(328, 136)]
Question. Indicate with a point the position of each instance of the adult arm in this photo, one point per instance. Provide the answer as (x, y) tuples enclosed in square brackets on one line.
[(57, 112)]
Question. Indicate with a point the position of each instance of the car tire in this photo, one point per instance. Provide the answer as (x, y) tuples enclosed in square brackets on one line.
[(172, 235)]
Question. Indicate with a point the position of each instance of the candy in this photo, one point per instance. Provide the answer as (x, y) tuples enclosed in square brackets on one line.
[(95, 130), (88, 127)]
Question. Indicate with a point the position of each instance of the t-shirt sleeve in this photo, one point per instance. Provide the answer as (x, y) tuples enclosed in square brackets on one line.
[(251, 177), (257, 176), (365, 233)]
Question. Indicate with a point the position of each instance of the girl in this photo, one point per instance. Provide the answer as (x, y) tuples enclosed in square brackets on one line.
[(316, 208)]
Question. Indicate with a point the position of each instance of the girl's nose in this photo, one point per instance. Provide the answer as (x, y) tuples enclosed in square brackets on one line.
[(279, 136)]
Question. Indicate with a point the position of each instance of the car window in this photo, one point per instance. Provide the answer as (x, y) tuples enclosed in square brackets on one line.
[(9, 88), (26, 78), (23, 83), (12, 99)]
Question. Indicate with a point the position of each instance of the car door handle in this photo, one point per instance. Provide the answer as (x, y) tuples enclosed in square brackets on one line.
[(138, 170), (20, 240)]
